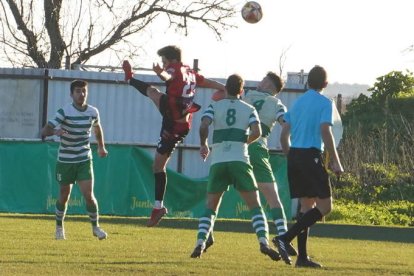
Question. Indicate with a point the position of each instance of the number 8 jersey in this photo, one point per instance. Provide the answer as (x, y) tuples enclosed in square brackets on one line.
[(231, 120)]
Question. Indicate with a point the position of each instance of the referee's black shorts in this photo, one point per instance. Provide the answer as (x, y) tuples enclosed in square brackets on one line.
[(307, 174)]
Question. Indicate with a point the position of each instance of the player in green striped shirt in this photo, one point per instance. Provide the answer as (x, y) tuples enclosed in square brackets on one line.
[(73, 124), (236, 124)]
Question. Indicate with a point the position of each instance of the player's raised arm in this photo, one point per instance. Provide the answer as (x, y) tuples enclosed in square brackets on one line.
[(161, 73), (209, 83)]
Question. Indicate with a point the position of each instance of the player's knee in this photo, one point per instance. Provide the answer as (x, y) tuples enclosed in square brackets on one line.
[(90, 199), (158, 167), (64, 197), (325, 208), (63, 200), (330, 207), (164, 150), (154, 94)]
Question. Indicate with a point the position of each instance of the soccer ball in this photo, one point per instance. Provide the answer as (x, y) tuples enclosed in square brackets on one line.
[(252, 12)]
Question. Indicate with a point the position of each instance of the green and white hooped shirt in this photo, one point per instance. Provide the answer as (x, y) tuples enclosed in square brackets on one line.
[(74, 145)]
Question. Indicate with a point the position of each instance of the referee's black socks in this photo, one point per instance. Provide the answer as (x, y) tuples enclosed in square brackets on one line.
[(307, 220)]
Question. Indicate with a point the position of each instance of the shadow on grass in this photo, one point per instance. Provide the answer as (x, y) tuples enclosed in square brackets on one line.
[(342, 231)]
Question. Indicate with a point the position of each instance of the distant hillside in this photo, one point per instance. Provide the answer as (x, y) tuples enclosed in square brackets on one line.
[(347, 90)]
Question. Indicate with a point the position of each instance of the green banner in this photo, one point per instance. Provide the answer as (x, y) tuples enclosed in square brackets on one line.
[(124, 184)]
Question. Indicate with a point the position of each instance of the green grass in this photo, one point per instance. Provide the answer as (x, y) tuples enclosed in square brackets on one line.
[(27, 246)]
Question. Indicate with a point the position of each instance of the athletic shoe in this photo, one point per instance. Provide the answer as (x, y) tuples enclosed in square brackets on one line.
[(156, 216), (209, 242), (267, 250), (99, 233), (291, 250), (60, 233), (198, 251), (281, 246), (127, 69), (307, 262)]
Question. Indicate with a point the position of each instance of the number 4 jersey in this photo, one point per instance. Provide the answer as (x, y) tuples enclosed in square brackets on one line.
[(270, 109)]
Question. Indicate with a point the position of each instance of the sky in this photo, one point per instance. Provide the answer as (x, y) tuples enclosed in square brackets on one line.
[(355, 40)]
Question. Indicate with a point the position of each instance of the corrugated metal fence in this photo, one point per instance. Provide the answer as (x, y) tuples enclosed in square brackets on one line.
[(31, 96)]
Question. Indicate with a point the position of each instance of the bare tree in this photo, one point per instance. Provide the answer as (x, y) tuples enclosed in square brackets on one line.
[(41, 33), (282, 59)]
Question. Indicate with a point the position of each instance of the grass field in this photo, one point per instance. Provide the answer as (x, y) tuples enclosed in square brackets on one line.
[(27, 246)]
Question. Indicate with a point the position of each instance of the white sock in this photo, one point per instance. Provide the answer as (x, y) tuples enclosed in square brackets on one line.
[(158, 204)]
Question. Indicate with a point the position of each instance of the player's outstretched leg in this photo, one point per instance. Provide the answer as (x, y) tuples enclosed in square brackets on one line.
[(127, 70), (141, 86)]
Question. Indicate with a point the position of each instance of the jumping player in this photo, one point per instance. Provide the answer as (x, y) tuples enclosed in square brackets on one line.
[(176, 107)]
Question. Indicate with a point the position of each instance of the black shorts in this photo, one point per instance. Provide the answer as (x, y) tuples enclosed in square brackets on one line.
[(307, 174), (172, 133), (175, 108)]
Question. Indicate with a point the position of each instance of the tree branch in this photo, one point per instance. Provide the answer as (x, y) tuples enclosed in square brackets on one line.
[(31, 39), (52, 16), (66, 29)]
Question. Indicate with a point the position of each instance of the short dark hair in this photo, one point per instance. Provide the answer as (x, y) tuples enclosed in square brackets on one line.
[(276, 80), (317, 78), (170, 52), (234, 84), (77, 83)]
